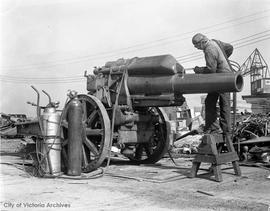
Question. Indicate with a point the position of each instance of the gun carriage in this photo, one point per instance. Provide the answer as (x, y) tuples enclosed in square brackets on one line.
[(123, 107)]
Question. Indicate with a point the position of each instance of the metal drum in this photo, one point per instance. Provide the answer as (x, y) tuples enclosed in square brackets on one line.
[(52, 147)]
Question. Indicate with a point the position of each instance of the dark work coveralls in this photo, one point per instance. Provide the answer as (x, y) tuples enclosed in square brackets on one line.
[(216, 62)]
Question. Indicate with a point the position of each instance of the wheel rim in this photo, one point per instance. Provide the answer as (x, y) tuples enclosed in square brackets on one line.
[(95, 133), (153, 150)]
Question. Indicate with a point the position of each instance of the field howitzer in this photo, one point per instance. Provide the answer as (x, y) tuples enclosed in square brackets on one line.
[(122, 110)]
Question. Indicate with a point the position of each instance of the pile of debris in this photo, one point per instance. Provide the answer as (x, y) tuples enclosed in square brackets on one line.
[(5, 121), (8, 122), (187, 145), (252, 126), (252, 137)]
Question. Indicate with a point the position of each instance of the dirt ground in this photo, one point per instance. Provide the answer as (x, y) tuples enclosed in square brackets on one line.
[(163, 186)]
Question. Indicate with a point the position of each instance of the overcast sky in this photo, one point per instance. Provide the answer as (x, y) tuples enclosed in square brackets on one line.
[(50, 43)]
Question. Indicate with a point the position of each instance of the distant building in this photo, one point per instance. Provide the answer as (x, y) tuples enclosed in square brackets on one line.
[(259, 103)]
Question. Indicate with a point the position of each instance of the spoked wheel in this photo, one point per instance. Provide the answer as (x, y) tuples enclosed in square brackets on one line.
[(157, 146), (95, 133)]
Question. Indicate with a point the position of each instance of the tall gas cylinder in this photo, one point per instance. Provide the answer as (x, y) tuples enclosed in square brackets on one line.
[(51, 148), (74, 117)]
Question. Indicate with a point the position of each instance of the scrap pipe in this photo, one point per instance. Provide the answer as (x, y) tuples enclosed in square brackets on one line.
[(186, 84)]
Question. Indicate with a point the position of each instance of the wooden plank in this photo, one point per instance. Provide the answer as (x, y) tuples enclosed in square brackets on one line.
[(236, 168), (205, 150), (261, 139), (227, 157), (205, 158), (229, 144), (218, 138), (208, 146), (217, 172), (194, 169)]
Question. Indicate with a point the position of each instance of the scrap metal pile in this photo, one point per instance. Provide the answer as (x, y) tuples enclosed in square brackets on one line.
[(7, 126), (252, 137), (5, 121), (253, 126)]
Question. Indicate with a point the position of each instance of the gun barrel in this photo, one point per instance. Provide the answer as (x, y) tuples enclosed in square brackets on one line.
[(186, 84), (205, 83)]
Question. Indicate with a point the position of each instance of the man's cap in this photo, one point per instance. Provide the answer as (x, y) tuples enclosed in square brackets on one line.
[(198, 38)]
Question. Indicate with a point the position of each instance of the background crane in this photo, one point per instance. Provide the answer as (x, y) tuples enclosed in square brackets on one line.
[(257, 68)]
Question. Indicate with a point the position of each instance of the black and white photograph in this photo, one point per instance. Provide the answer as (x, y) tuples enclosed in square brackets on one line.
[(131, 105)]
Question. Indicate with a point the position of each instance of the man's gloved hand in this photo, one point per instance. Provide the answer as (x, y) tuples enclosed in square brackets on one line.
[(198, 69)]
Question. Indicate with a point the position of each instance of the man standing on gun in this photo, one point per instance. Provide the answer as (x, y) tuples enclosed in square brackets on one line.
[(216, 56)]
